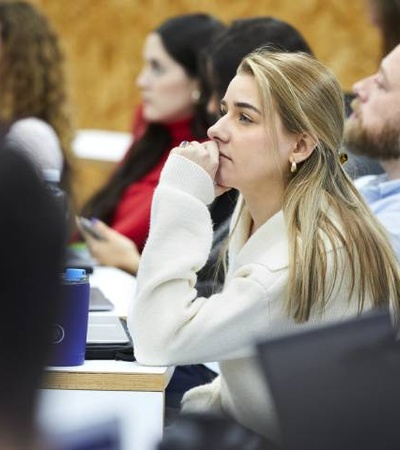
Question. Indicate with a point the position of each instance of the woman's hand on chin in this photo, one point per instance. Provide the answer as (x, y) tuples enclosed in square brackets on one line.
[(205, 155)]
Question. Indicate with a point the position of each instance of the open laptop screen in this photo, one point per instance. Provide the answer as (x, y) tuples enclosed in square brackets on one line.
[(338, 386)]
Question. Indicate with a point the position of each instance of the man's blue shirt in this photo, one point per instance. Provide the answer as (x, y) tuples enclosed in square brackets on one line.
[(383, 197)]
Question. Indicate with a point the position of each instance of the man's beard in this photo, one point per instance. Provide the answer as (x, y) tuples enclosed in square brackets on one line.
[(382, 146)]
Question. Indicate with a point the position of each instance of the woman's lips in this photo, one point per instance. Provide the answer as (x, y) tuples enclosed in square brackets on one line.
[(224, 156)]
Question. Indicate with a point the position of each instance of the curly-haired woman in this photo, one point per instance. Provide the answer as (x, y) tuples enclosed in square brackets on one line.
[(32, 75)]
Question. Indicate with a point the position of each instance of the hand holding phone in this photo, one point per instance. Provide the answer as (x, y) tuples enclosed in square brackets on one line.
[(89, 228)]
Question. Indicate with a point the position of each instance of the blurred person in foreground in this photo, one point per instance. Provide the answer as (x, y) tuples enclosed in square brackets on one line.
[(34, 234)]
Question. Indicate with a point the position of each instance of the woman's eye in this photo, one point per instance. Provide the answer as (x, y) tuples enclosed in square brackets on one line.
[(156, 67), (379, 83), (244, 118)]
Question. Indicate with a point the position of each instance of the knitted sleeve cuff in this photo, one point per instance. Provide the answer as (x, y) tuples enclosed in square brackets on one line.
[(185, 175)]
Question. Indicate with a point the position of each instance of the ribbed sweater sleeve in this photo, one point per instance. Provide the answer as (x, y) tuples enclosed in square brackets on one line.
[(182, 174), (169, 323)]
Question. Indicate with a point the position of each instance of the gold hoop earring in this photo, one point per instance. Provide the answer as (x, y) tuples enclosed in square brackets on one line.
[(293, 167)]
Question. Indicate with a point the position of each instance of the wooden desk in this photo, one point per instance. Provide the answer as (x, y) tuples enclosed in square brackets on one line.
[(77, 397), (83, 396), (108, 375)]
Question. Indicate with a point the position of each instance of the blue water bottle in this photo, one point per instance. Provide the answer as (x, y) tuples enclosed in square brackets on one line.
[(70, 329)]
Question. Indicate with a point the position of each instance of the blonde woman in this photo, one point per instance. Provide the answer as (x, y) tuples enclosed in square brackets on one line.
[(304, 248)]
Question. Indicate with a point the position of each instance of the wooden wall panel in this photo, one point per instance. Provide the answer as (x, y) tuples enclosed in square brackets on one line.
[(103, 40)]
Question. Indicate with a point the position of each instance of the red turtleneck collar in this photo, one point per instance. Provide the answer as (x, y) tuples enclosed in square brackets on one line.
[(181, 131)]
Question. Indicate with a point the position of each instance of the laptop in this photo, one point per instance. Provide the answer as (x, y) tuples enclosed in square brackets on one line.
[(106, 329), (98, 301), (108, 338), (338, 386)]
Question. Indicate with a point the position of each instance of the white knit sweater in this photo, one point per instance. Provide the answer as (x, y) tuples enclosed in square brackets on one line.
[(170, 325)]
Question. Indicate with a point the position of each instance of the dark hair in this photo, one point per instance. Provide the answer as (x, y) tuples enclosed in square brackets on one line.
[(183, 38), (388, 21), (29, 286), (221, 58)]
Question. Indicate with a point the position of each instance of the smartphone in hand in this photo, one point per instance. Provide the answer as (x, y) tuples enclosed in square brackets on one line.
[(88, 226)]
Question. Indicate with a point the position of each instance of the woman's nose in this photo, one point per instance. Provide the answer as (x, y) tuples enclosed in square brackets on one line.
[(217, 132), (141, 80)]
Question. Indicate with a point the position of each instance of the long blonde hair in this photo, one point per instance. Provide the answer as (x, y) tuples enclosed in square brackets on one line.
[(321, 204)]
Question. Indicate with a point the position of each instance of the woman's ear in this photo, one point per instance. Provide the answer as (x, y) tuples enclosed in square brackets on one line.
[(305, 145)]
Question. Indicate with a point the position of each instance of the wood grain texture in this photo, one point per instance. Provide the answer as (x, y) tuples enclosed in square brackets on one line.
[(89, 176), (106, 381)]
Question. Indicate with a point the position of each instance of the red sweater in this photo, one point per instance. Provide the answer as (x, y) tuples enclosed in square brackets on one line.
[(132, 214)]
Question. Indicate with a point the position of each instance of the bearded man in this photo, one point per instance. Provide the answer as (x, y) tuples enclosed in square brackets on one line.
[(373, 130)]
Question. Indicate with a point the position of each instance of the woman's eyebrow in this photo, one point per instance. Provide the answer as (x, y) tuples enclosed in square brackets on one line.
[(244, 105), (247, 106)]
